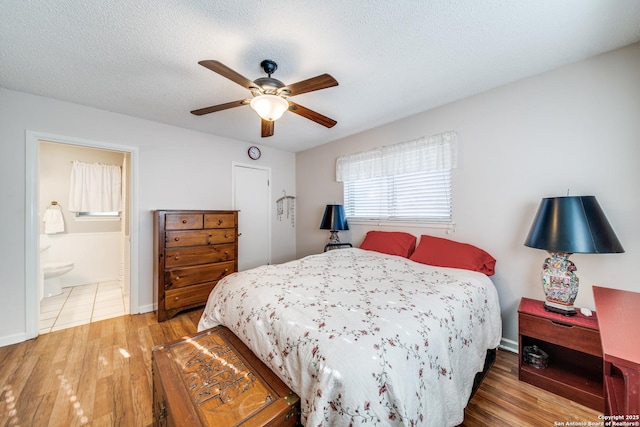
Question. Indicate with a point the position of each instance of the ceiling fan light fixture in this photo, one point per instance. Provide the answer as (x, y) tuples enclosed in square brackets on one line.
[(269, 107), (270, 95)]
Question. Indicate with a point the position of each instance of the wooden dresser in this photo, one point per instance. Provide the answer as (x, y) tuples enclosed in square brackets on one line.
[(193, 249), (619, 331)]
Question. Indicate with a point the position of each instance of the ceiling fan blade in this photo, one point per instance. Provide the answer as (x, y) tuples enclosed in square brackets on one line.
[(322, 81), (220, 107), (267, 128), (311, 115), (224, 71)]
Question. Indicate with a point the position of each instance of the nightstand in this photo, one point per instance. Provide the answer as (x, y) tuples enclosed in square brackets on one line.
[(574, 368)]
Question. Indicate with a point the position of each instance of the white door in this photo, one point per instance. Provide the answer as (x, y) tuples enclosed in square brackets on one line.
[(251, 197)]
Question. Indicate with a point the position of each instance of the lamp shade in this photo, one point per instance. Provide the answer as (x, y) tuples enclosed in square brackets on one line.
[(334, 218), (572, 224), (269, 107)]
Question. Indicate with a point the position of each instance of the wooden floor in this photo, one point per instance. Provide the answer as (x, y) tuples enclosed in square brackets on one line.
[(100, 375)]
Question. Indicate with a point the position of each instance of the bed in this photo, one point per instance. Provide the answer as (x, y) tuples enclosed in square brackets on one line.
[(365, 338)]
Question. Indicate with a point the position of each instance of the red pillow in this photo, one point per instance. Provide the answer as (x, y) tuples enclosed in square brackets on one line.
[(447, 253), (390, 242)]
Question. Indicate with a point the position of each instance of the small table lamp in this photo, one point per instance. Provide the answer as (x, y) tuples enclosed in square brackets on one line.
[(334, 220), (563, 226)]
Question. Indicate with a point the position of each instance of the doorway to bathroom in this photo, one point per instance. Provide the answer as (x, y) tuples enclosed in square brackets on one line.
[(82, 271)]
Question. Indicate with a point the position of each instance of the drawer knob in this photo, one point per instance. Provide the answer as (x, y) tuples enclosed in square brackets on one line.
[(226, 236), (226, 270), (219, 221), (176, 298), (176, 257), (176, 239), (226, 252), (177, 277), (184, 221)]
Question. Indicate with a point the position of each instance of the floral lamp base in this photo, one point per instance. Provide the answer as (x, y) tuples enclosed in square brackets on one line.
[(560, 283)]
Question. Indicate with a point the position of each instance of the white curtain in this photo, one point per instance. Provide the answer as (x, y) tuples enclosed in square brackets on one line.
[(426, 154), (95, 187)]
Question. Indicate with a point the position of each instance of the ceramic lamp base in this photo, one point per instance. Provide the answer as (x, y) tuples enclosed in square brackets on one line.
[(333, 238), (560, 283)]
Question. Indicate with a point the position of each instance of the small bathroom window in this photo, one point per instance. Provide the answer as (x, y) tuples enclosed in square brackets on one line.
[(108, 216), (95, 192)]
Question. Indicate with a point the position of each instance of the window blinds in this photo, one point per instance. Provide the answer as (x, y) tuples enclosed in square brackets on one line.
[(410, 181)]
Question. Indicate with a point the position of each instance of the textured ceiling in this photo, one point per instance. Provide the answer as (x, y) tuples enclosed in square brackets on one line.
[(392, 58)]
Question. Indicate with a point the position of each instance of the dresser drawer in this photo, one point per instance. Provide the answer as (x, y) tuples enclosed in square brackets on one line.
[(222, 235), (180, 277), (575, 337), (222, 220), (183, 297), (199, 238), (183, 222), (195, 255)]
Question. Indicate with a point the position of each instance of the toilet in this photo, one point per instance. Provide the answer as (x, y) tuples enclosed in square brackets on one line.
[(51, 272)]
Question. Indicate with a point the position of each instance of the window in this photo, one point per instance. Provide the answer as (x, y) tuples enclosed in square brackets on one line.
[(97, 215), (95, 190), (410, 181), (422, 196)]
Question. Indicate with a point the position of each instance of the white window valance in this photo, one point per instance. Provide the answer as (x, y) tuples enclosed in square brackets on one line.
[(425, 154), (95, 187)]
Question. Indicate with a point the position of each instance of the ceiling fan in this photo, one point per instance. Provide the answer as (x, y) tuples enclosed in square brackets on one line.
[(270, 96)]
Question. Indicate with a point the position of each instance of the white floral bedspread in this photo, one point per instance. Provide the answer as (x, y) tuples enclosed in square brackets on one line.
[(365, 338)]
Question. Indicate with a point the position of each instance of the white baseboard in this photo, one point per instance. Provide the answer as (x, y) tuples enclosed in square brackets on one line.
[(12, 339), (146, 308), (509, 345)]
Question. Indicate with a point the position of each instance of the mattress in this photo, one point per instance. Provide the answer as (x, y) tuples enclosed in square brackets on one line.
[(365, 338)]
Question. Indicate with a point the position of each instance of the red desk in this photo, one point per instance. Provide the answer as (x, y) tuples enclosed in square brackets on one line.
[(619, 321)]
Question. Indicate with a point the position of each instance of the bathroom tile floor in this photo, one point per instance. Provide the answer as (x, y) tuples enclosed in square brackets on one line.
[(84, 304)]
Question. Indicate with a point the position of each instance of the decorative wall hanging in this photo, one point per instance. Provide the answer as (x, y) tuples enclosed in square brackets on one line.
[(286, 205)]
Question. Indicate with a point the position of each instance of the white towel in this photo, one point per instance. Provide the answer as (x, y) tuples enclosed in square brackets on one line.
[(53, 220)]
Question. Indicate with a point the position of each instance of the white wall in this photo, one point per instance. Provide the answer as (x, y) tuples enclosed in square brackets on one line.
[(575, 128), (96, 256), (178, 169)]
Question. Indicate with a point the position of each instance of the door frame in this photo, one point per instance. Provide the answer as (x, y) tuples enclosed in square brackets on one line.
[(233, 197), (32, 220)]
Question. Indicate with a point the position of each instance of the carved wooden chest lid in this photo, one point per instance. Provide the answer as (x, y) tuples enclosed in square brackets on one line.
[(225, 383), (217, 379)]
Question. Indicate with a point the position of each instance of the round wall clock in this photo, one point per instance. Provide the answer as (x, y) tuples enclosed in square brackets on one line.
[(254, 153)]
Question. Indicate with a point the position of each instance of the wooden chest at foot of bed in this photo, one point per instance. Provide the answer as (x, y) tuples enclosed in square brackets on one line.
[(213, 379)]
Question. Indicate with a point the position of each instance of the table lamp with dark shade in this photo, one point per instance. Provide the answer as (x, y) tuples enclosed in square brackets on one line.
[(563, 226), (334, 220)]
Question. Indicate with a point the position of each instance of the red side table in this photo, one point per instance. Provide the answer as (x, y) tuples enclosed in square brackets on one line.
[(574, 368)]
